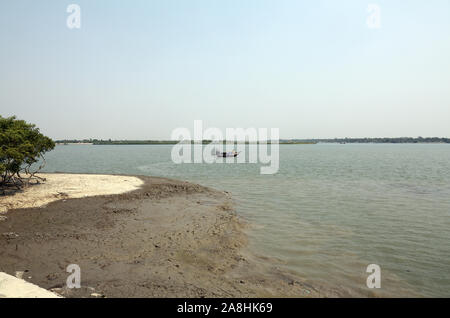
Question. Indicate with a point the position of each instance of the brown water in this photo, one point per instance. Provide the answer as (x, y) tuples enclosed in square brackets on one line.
[(330, 211)]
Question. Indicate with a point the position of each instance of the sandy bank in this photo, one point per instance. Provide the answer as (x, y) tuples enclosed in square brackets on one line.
[(166, 238), (13, 287), (66, 186)]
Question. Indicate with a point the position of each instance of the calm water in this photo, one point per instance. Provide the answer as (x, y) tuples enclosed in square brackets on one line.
[(330, 211)]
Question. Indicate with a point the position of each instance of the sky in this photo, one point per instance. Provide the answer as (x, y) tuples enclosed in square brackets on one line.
[(313, 69)]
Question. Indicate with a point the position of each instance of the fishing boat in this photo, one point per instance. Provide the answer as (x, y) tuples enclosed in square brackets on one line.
[(226, 154)]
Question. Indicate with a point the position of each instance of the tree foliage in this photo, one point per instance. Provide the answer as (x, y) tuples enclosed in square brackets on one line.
[(21, 145)]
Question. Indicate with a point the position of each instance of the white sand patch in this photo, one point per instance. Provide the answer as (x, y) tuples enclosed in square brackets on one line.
[(12, 287), (66, 186)]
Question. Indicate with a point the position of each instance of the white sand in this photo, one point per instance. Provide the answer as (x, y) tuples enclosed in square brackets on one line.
[(66, 186), (13, 287)]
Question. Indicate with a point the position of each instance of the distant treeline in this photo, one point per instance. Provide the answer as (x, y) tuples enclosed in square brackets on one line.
[(156, 142), (399, 140), (135, 142), (122, 142), (116, 142)]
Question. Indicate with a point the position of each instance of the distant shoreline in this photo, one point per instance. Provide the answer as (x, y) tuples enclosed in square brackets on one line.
[(397, 140)]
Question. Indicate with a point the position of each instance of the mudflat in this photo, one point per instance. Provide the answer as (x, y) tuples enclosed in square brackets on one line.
[(161, 238)]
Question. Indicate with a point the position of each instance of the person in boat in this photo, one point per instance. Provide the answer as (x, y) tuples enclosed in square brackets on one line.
[(233, 153)]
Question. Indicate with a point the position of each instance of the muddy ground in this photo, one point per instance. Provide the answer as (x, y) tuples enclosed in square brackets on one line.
[(167, 239)]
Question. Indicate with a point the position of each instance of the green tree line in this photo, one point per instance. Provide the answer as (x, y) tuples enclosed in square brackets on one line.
[(21, 145)]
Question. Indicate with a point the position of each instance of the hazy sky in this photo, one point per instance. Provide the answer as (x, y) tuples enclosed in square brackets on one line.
[(314, 69)]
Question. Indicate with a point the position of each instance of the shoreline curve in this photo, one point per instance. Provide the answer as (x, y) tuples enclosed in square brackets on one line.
[(157, 237)]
